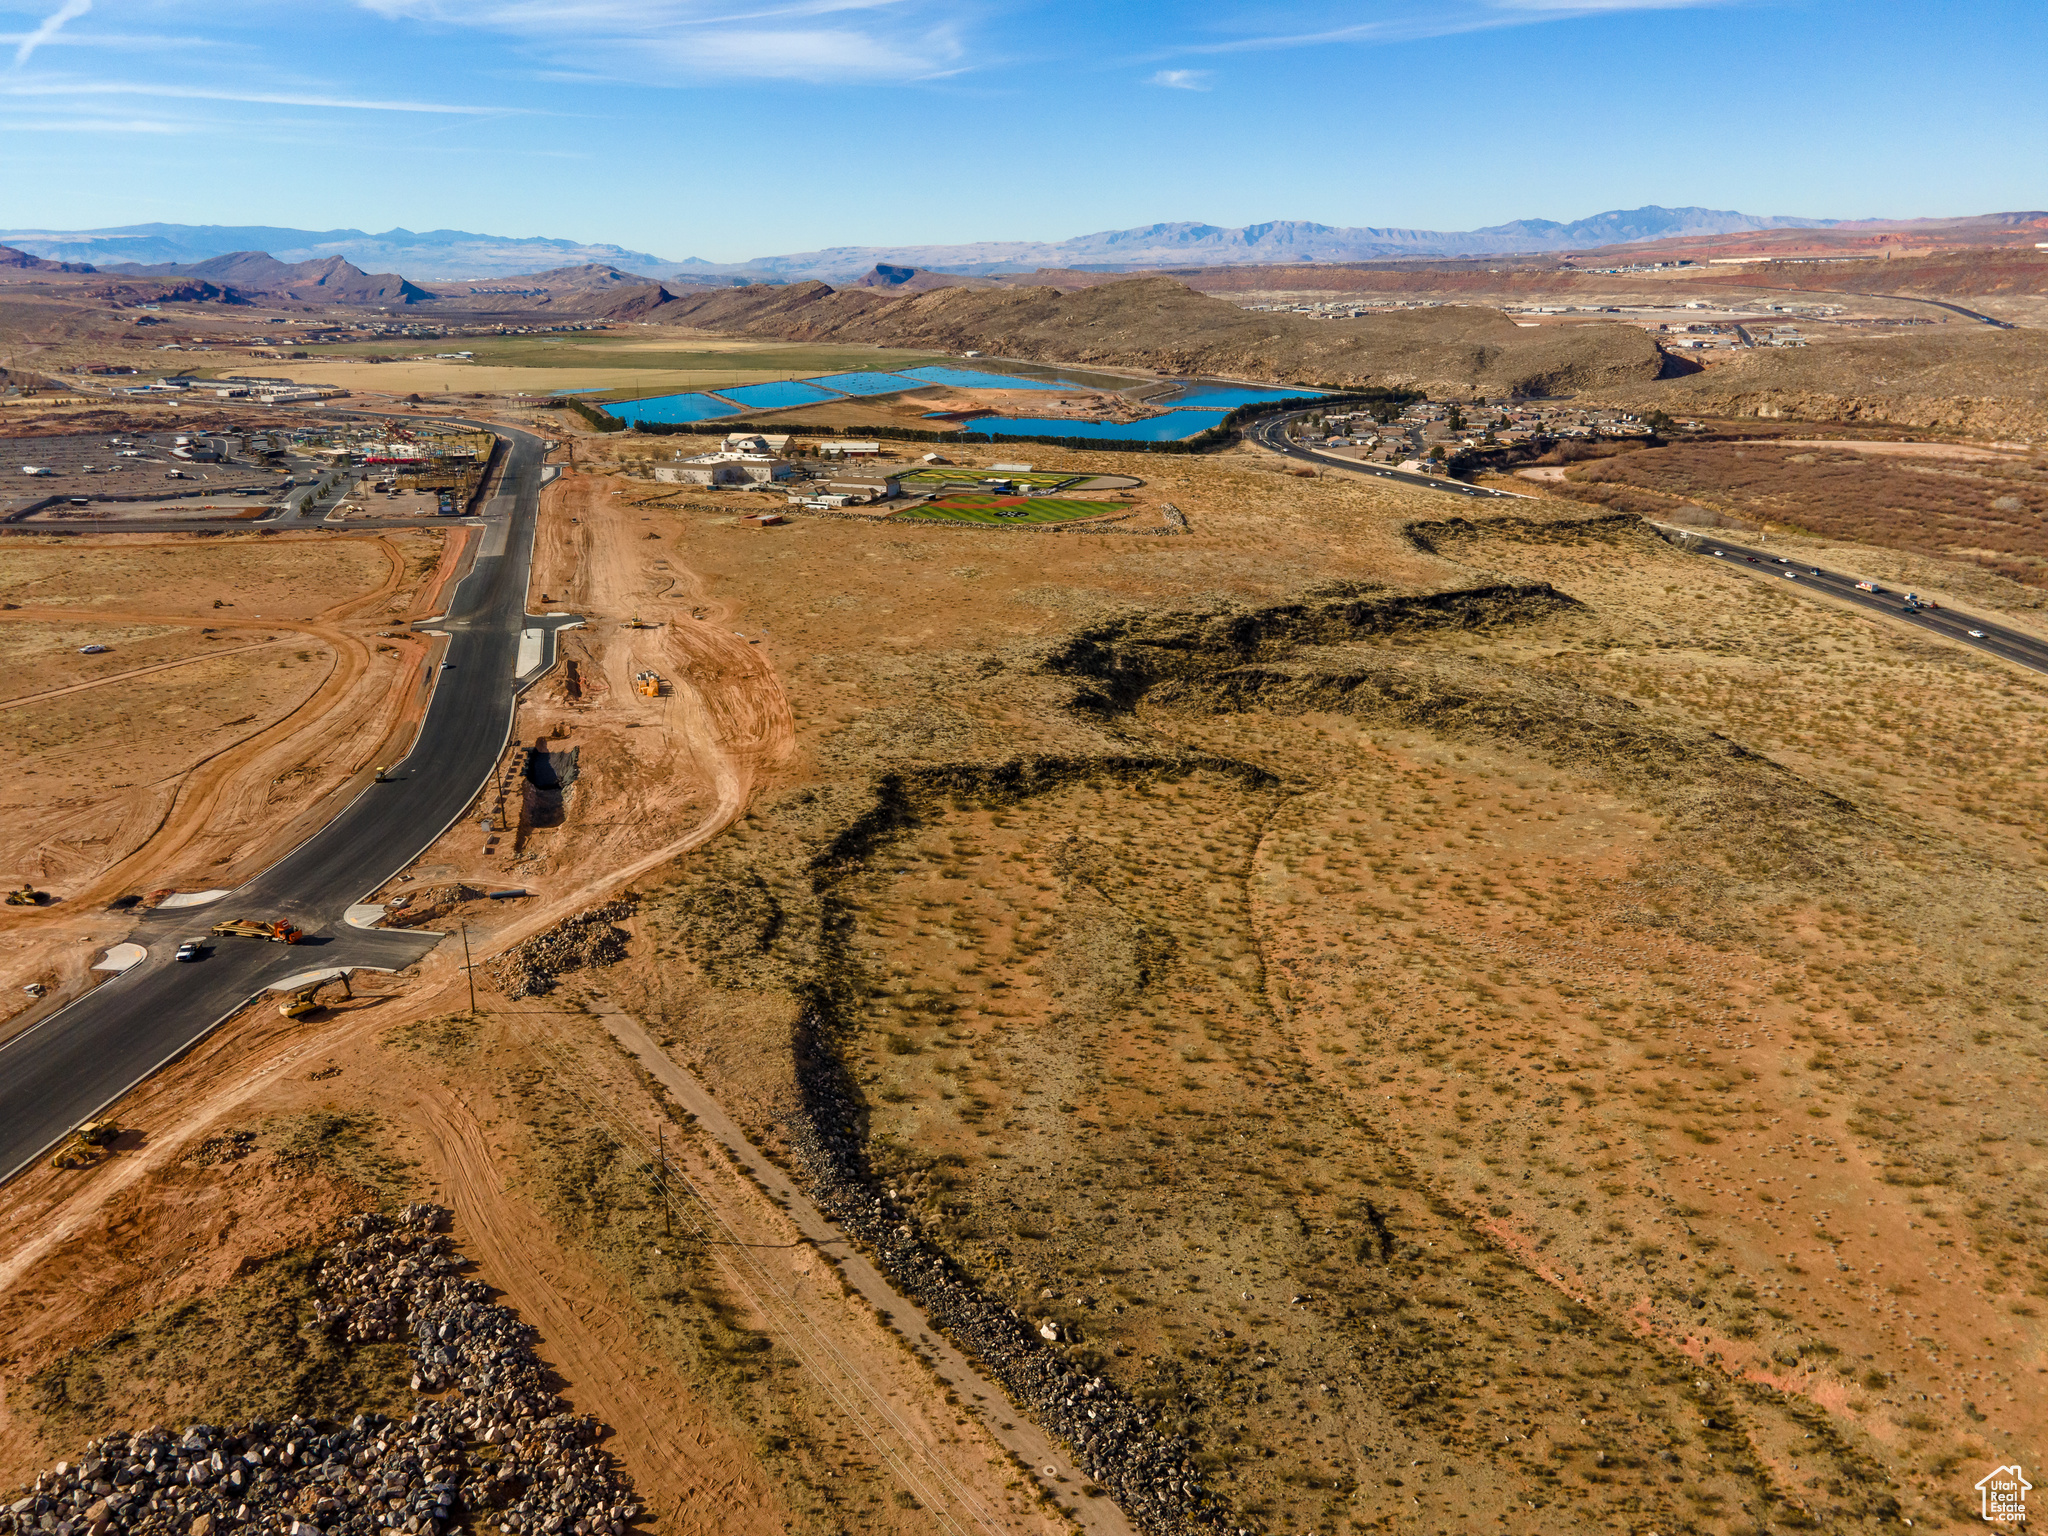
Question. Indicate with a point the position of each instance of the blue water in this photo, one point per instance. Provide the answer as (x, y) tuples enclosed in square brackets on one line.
[(771, 397), (865, 383), (967, 378), (598, 390), (672, 408), (1159, 429), (1221, 397)]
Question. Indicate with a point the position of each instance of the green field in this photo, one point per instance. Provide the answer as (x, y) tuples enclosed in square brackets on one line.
[(934, 476), (991, 510)]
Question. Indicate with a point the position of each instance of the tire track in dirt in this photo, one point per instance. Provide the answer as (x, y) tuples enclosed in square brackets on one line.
[(586, 1334), (207, 788), (732, 719), (122, 677), (836, 1349)]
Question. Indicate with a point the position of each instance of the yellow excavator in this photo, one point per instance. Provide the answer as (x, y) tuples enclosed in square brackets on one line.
[(27, 896), (306, 999)]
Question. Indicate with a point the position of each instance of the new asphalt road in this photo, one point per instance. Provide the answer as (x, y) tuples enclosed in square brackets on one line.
[(72, 1064)]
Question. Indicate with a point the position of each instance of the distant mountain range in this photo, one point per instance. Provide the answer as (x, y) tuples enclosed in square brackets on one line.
[(443, 254), (437, 253), (330, 279), (1283, 242)]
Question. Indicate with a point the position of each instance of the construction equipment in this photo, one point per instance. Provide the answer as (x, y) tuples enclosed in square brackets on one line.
[(85, 1145), (300, 1003), (649, 684), (278, 932), (27, 896)]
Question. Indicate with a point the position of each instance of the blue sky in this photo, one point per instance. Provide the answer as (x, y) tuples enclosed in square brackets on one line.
[(734, 128)]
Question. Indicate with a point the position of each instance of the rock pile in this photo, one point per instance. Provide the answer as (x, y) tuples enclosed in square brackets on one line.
[(587, 939), (417, 909), (500, 1453), (1150, 1473)]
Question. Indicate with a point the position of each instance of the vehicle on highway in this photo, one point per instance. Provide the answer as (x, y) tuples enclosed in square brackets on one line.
[(447, 666), (1816, 570), (1781, 560), (1868, 586), (1752, 559), (1789, 575), (1976, 634), (191, 949)]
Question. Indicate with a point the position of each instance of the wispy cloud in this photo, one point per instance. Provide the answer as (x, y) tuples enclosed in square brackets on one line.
[(1182, 79), (54, 23), (91, 125), (1438, 20), (86, 88), (683, 42)]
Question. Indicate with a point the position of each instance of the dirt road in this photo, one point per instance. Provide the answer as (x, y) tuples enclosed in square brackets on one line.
[(871, 1384)]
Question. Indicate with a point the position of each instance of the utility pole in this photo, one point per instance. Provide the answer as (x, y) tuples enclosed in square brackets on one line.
[(468, 969), (661, 1141)]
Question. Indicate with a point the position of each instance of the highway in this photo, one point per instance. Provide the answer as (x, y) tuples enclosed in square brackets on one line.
[(1271, 432), (1980, 634), (73, 1064)]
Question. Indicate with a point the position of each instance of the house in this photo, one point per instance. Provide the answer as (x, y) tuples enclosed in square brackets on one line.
[(847, 447), (773, 443), (724, 469), (859, 487)]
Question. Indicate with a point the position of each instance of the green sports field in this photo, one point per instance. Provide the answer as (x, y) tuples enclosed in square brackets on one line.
[(999, 510), (936, 475)]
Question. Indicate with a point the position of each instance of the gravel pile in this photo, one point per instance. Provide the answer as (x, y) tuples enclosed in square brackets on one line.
[(499, 1454), (1150, 1473), (587, 939)]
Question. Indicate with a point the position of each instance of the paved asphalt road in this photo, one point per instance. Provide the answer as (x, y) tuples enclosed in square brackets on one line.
[(1982, 634), (66, 1068), (1949, 623), (1271, 432)]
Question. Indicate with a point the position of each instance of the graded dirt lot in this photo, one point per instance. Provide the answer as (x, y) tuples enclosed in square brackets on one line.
[(245, 679), (1445, 1021)]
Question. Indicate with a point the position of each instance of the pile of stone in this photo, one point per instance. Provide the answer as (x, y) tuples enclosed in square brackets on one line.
[(498, 1453), (424, 907), (588, 939), (1149, 1471)]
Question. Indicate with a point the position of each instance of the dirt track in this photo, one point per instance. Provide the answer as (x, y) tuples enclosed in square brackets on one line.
[(214, 820)]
